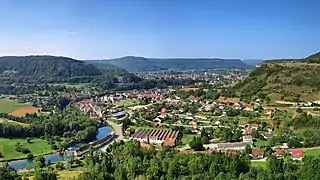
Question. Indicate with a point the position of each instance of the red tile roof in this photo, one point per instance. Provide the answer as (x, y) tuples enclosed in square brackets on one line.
[(257, 152), (242, 123), (250, 107), (280, 152), (298, 152)]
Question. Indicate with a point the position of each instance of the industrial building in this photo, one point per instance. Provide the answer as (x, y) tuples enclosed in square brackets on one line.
[(164, 137)]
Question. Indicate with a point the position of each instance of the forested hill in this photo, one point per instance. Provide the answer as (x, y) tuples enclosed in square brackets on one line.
[(138, 64), (25, 69), (288, 80)]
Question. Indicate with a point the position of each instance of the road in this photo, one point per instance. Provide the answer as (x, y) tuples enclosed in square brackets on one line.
[(118, 132), (117, 128)]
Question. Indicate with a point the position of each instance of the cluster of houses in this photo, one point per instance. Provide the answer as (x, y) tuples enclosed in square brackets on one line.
[(208, 77), (168, 138), (91, 107), (295, 154), (152, 94), (278, 151)]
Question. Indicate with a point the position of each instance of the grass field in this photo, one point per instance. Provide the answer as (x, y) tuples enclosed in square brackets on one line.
[(313, 152), (127, 102), (37, 147), (8, 106), (262, 164), (187, 138)]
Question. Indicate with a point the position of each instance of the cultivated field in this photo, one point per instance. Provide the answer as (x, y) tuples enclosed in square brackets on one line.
[(8, 106), (36, 146), (24, 110)]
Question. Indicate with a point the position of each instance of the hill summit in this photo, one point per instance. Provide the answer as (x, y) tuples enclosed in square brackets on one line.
[(294, 80)]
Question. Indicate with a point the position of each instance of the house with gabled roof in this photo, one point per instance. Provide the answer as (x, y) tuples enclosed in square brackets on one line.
[(297, 154), (257, 153)]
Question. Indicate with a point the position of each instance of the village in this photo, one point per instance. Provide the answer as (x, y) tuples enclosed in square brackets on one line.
[(159, 117)]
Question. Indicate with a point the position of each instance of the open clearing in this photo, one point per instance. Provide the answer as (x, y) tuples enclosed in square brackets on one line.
[(8, 106), (37, 147), (24, 110)]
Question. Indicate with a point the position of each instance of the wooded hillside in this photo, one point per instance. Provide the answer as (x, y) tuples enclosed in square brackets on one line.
[(45, 69)]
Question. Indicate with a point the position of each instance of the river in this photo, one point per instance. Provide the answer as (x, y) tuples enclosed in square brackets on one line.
[(21, 164)]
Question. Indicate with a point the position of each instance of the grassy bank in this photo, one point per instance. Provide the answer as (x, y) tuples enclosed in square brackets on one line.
[(36, 146)]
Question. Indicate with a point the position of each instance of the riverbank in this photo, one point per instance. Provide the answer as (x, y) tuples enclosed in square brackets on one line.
[(18, 159), (19, 163)]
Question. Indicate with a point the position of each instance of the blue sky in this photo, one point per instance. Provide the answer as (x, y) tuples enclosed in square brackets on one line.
[(99, 29)]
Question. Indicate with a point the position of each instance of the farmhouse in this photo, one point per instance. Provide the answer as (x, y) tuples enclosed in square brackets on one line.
[(268, 135), (297, 154), (279, 152), (257, 153), (249, 108)]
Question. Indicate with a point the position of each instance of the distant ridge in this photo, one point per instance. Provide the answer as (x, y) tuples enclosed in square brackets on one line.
[(138, 64)]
